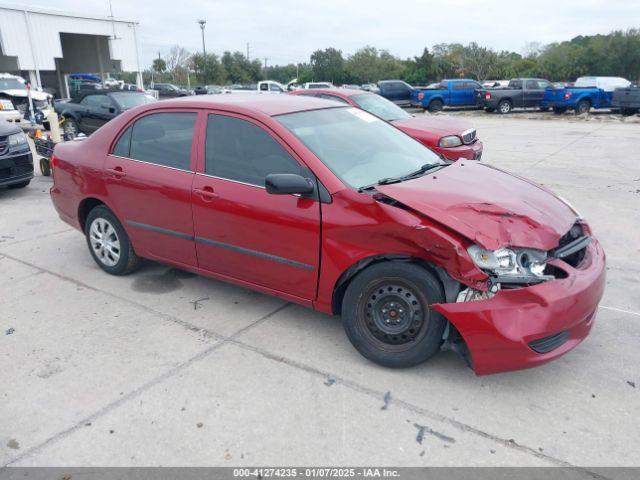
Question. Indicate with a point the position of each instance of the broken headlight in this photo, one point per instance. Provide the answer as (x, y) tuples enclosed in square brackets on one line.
[(508, 265)]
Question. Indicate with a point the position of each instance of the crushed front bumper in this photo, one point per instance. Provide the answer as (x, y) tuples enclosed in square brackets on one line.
[(525, 327)]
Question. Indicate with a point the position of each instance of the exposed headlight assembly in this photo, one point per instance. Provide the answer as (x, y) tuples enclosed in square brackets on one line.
[(508, 265), (17, 139), (450, 141)]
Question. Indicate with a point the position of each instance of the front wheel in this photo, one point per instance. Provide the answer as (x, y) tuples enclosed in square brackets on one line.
[(108, 242), (70, 128), (387, 316)]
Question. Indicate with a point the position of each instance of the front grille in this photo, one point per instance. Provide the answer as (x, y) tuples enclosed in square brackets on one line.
[(469, 136), (546, 344), (40, 104), (4, 144), (16, 166)]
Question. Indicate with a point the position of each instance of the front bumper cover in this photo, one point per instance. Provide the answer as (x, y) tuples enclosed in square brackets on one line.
[(505, 332)]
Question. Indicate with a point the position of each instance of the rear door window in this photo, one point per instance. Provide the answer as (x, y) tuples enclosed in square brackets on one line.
[(163, 139), (241, 151)]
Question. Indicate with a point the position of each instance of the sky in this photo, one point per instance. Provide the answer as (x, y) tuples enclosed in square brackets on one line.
[(288, 31)]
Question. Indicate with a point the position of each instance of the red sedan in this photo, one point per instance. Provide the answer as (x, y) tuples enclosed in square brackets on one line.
[(328, 206), (452, 138)]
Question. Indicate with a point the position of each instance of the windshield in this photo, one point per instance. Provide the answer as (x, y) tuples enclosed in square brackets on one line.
[(130, 100), (359, 148), (380, 107), (11, 84)]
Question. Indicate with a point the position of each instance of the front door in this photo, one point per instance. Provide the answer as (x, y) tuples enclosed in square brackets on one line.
[(243, 232), (148, 178)]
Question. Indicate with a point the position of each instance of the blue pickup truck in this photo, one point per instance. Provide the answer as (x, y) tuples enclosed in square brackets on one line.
[(459, 92), (585, 94)]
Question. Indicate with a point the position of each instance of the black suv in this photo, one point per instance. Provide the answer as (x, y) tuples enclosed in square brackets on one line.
[(16, 162)]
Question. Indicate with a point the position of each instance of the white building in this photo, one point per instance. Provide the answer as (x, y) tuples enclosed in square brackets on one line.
[(45, 45)]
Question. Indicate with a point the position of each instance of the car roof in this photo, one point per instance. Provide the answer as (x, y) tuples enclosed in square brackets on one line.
[(271, 105), (338, 92)]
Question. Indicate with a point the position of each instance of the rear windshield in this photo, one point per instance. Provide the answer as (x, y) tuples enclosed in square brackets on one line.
[(380, 107), (129, 100)]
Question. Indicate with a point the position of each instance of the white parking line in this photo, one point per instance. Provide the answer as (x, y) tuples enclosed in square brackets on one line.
[(620, 310)]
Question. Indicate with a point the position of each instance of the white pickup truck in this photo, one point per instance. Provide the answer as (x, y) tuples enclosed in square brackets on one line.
[(266, 86)]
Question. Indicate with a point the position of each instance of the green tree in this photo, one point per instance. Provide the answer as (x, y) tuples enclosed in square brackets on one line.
[(208, 70), (328, 65)]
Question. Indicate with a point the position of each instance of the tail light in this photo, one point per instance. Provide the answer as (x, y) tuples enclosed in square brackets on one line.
[(487, 96), (53, 161), (567, 95), (420, 96)]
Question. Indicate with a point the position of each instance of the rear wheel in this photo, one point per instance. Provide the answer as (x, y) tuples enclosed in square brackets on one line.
[(504, 107), (108, 242), (45, 167), (583, 107), (436, 105), (387, 316)]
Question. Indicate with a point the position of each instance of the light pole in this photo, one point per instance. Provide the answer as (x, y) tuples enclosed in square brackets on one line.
[(202, 23)]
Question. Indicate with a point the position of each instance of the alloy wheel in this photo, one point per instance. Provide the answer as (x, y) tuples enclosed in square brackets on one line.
[(104, 242)]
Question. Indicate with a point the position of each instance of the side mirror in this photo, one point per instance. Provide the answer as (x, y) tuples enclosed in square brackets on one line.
[(288, 183), (108, 107)]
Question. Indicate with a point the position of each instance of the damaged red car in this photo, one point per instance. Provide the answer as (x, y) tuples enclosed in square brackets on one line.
[(450, 137), (330, 207)]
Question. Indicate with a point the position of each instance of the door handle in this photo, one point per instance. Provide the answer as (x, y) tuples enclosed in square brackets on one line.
[(117, 172), (206, 193)]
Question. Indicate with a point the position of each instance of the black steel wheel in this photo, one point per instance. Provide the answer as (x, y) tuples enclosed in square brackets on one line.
[(387, 317)]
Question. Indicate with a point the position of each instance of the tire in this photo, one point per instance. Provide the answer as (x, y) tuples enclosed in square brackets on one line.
[(70, 128), (489, 109), (504, 107), (559, 110), (108, 242), (15, 186), (45, 167), (395, 328), (436, 105), (583, 106)]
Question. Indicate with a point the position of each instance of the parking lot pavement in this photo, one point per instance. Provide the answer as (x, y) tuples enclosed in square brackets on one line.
[(166, 368)]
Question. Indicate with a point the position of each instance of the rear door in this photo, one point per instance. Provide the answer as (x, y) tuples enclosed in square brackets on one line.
[(148, 178), (243, 232), (534, 92)]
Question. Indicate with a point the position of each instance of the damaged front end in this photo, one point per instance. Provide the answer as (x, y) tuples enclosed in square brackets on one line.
[(537, 304)]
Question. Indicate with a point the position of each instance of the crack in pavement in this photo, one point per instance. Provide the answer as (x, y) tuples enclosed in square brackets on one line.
[(233, 340), (144, 387), (573, 142)]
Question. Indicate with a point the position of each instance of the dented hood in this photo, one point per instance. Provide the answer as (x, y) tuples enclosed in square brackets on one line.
[(488, 206)]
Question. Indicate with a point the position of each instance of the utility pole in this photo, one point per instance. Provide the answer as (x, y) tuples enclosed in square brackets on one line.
[(248, 49), (202, 23)]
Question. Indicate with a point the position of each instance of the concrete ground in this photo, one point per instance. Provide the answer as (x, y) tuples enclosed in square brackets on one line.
[(166, 368)]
